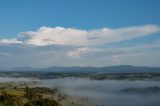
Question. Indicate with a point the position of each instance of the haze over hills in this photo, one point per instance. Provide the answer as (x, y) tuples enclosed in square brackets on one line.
[(109, 69)]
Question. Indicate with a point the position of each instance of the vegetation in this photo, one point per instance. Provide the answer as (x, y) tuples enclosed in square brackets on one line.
[(90, 75), (9, 100), (42, 102), (26, 97)]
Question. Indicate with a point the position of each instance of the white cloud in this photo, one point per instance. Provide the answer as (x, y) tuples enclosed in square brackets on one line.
[(9, 41), (58, 35), (78, 52), (46, 56), (133, 55), (71, 47), (70, 36)]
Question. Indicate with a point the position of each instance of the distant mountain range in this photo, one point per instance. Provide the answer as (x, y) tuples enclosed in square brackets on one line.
[(109, 69)]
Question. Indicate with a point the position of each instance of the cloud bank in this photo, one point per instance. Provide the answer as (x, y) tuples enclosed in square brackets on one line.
[(59, 46)]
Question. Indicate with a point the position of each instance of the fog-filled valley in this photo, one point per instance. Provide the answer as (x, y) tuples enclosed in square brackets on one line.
[(99, 92)]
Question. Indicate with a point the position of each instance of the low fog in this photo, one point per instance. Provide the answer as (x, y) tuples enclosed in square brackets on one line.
[(100, 92)]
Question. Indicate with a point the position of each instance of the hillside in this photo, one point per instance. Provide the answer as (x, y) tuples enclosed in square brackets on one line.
[(109, 69)]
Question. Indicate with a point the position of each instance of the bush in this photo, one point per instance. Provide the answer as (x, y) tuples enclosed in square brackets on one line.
[(42, 102), (9, 100)]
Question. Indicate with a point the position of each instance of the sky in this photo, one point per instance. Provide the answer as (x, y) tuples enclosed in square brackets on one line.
[(44, 33)]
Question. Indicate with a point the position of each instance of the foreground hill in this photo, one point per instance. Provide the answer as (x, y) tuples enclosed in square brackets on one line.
[(26, 97)]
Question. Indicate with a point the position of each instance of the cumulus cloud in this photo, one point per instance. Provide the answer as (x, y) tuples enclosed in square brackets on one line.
[(62, 36), (71, 36)]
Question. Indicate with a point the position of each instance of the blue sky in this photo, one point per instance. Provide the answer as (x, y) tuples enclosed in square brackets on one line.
[(23, 15), (120, 24)]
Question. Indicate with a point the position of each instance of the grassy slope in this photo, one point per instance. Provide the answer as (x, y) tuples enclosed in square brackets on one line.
[(63, 100)]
